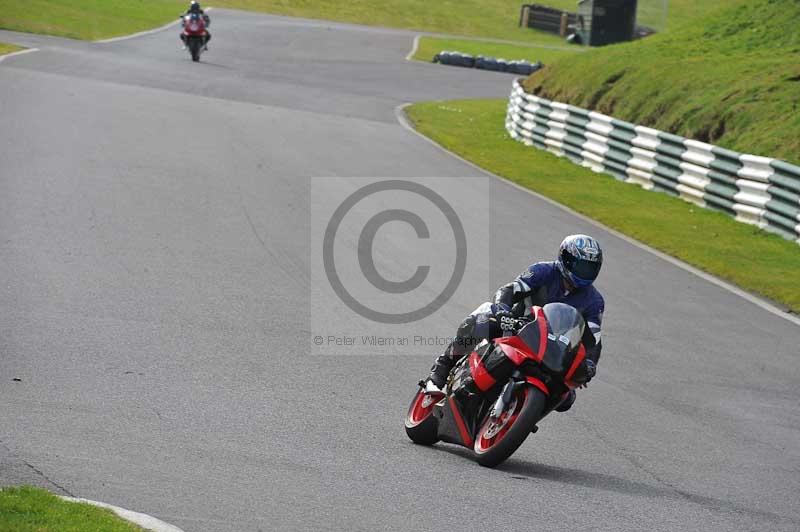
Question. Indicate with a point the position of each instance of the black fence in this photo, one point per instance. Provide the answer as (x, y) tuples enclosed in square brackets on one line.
[(546, 19), (561, 23)]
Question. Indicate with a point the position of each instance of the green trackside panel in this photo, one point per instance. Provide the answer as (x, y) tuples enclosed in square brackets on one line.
[(617, 156), (725, 161), (575, 126), (619, 145), (668, 160), (623, 132), (724, 179), (720, 203), (784, 203), (671, 145), (619, 149), (666, 172), (541, 129), (664, 184), (720, 192), (618, 170), (576, 135), (787, 169), (783, 208), (781, 225), (577, 117), (784, 195), (785, 182), (723, 175)]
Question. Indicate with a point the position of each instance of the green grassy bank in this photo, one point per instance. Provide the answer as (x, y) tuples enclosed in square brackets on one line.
[(87, 19), (8, 48), (730, 78), (29, 509)]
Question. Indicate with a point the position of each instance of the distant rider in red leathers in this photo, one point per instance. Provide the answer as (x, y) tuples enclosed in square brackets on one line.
[(195, 9)]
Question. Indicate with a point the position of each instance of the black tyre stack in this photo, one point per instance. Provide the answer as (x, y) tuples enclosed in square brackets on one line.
[(521, 67)]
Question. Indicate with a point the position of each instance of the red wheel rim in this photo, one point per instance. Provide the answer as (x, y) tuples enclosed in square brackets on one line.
[(493, 430), (421, 408)]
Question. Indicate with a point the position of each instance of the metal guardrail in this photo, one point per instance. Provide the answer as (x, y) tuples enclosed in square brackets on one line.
[(757, 190)]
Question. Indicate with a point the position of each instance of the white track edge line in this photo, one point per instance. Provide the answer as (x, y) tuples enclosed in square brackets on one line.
[(414, 48), (766, 305), (142, 33), (21, 52), (145, 521)]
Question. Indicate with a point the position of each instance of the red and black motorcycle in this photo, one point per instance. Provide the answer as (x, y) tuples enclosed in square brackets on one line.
[(195, 34), (497, 394)]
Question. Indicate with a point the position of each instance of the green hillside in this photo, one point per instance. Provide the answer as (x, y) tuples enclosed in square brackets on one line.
[(87, 19), (730, 78)]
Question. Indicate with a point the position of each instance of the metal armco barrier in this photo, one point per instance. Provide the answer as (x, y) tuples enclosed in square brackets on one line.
[(756, 190)]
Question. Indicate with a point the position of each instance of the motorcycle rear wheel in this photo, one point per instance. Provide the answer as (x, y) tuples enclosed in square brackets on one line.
[(498, 439), (422, 427)]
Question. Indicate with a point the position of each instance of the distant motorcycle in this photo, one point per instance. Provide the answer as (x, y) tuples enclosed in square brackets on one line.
[(492, 412), (195, 35)]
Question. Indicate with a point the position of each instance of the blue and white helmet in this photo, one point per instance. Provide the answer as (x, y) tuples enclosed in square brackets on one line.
[(580, 259)]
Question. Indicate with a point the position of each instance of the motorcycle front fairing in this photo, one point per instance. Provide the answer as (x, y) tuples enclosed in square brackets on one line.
[(554, 337), (463, 406), (194, 25)]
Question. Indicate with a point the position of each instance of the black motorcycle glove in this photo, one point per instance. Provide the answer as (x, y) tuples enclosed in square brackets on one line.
[(506, 320)]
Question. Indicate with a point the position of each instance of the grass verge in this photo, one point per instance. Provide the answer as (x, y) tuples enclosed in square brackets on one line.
[(28, 509), (8, 48), (652, 13), (99, 19), (87, 19), (498, 19), (430, 46), (731, 78), (742, 254)]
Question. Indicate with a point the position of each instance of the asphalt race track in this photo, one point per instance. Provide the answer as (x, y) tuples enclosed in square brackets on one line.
[(159, 294)]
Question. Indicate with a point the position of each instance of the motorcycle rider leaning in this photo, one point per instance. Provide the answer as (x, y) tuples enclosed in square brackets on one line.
[(566, 280), (195, 9)]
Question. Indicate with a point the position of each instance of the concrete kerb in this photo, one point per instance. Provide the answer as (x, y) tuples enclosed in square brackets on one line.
[(145, 521), (21, 52)]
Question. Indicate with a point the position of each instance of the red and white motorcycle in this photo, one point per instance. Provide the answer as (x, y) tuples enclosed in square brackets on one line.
[(195, 34), (495, 396)]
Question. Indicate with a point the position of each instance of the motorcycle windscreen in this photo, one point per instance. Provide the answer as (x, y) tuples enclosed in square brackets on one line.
[(565, 328)]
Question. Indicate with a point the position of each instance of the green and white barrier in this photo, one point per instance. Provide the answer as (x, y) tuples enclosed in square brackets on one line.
[(756, 190)]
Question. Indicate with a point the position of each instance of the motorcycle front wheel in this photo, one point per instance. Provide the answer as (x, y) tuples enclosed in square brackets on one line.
[(498, 438), (422, 427), (194, 48)]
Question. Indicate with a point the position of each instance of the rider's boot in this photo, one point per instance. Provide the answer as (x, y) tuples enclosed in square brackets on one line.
[(441, 369), (567, 402)]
